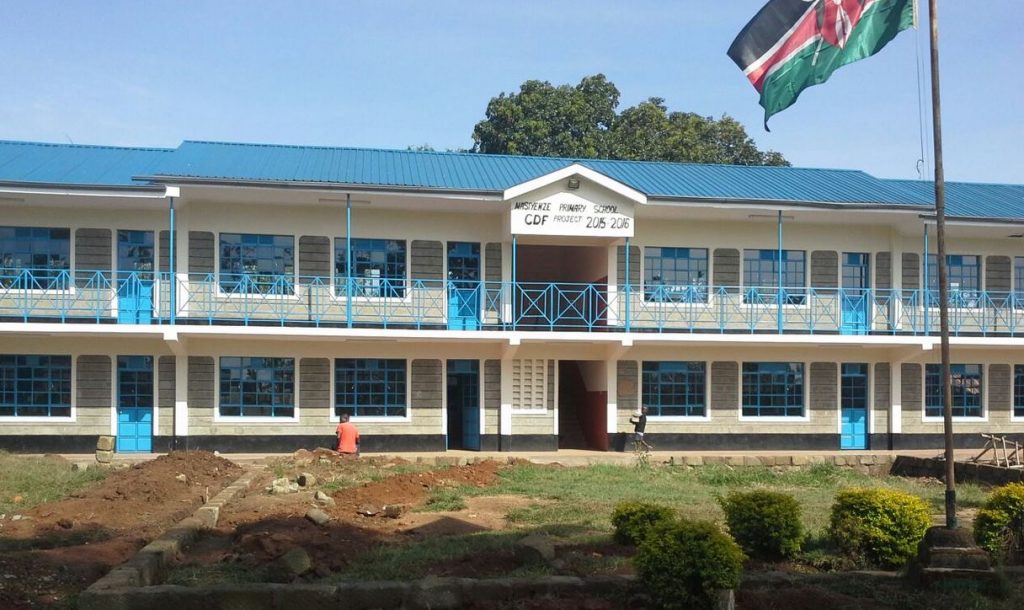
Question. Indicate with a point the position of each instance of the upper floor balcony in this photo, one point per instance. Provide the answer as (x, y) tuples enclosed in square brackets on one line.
[(160, 298)]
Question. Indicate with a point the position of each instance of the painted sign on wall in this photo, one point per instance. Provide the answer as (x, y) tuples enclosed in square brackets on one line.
[(572, 215)]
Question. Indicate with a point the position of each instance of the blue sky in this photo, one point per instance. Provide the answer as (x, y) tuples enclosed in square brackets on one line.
[(393, 73)]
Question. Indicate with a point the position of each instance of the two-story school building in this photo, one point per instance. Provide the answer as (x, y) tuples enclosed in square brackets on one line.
[(242, 297)]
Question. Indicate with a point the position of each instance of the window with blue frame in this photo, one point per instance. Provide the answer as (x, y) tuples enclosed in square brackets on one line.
[(35, 385), (1018, 390), (676, 274), (773, 389), (252, 386), (135, 255), (761, 276), (967, 386), (370, 387), (964, 273), (855, 272), (378, 267), (34, 258), (252, 263), (674, 388)]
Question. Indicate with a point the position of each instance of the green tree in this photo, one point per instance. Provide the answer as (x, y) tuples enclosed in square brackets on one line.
[(546, 120), (581, 121)]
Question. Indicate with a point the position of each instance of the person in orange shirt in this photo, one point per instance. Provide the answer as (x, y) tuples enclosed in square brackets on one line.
[(348, 436)]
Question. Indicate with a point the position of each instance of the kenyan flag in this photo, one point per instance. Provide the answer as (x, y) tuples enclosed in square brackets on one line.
[(794, 44)]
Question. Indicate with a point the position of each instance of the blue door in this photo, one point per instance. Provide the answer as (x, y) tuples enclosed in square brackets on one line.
[(134, 404), (463, 404), (463, 285), (854, 405), (856, 293), (135, 277)]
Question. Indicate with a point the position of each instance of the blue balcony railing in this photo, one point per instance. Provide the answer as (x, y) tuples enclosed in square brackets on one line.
[(240, 299)]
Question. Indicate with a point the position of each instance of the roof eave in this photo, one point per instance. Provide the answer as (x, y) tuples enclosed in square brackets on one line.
[(323, 186), (975, 219), (91, 189), (830, 205)]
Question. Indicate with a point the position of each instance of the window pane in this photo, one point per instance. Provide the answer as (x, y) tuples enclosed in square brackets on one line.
[(370, 387), (1018, 390), (773, 389), (35, 385), (964, 272), (966, 381), (255, 263), (378, 267), (257, 386), (675, 274), (34, 257), (761, 276), (674, 388)]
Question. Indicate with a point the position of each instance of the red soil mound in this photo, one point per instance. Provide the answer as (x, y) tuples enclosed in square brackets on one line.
[(66, 545), (412, 489)]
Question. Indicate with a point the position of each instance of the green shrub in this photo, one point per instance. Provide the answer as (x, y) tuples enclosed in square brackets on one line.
[(880, 525), (683, 563), (999, 526), (632, 520), (766, 524)]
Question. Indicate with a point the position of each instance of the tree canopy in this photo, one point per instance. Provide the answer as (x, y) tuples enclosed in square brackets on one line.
[(581, 121)]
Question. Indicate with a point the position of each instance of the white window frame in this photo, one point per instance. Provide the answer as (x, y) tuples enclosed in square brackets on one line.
[(676, 418), (261, 419), (802, 419), (42, 419)]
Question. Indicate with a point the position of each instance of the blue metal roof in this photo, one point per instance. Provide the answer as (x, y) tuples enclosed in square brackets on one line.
[(754, 183), (476, 172), (357, 166), (74, 164), (972, 199), (71, 165)]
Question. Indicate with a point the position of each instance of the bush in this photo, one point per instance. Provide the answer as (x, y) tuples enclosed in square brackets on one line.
[(766, 524), (683, 563), (999, 526), (632, 520), (880, 525)]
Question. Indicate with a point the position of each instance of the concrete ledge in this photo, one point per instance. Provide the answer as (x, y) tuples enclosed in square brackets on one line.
[(429, 593)]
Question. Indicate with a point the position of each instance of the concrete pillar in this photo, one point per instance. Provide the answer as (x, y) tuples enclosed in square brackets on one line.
[(615, 303), (896, 397), (611, 367), (506, 287), (505, 413), (181, 395), (896, 265), (181, 247)]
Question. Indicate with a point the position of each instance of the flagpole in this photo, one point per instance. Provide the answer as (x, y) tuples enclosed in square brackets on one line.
[(940, 230)]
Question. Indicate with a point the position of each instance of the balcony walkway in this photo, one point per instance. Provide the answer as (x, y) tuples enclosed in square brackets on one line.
[(161, 300)]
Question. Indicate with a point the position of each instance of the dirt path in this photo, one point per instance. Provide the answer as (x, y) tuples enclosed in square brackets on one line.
[(64, 546)]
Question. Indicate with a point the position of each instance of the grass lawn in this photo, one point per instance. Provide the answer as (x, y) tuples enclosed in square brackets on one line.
[(586, 496), (39, 479), (574, 504)]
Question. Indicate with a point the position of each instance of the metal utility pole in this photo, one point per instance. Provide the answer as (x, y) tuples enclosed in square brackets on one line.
[(940, 230)]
